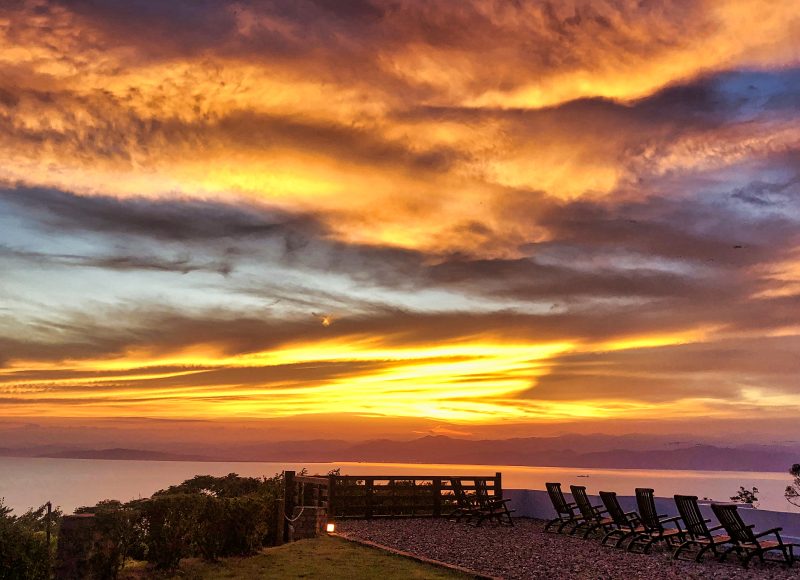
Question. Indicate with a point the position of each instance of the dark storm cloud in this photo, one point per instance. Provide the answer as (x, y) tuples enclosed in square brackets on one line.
[(181, 265), (170, 219), (596, 249)]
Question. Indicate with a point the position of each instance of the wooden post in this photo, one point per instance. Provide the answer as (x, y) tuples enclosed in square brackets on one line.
[(437, 497), (280, 521), (49, 518), (369, 485), (288, 499), (331, 495), (498, 485)]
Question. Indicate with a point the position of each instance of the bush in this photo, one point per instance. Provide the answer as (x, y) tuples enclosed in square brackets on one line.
[(205, 516), (24, 552), (792, 493), (118, 526), (168, 522), (231, 526), (747, 496)]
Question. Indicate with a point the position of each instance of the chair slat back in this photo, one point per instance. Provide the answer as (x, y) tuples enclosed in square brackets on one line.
[(558, 499), (461, 495), (584, 505), (692, 516), (614, 509), (646, 503), (481, 491), (728, 516)]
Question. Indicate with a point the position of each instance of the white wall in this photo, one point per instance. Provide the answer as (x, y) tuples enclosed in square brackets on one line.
[(534, 503)]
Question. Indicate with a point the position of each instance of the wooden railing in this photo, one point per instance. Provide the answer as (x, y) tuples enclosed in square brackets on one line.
[(383, 496)]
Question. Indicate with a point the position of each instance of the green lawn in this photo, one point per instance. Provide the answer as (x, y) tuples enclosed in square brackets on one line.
[(324, 557)]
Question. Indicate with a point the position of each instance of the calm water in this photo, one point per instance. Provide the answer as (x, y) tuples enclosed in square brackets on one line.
[(26, 482)]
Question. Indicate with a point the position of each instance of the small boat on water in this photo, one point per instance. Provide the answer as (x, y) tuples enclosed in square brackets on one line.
[(582, 475)]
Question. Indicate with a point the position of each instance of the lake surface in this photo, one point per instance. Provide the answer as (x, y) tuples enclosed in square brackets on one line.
[(69, 483)]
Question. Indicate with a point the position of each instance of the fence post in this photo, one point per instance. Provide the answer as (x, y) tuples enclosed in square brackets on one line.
[(498, 485), (369, 485), (331, 495), (437, 497), (280, 521), (288, 499)]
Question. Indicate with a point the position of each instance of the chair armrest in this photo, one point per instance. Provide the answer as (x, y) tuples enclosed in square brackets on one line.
[(572, 505), (666, 520), (768, 532), (715, 528)]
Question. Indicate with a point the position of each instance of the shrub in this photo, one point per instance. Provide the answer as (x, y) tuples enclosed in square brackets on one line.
[(747, 496), (117, 524), (231, 526), (792, 492), (24, 552), (167, 523), (205, 516)]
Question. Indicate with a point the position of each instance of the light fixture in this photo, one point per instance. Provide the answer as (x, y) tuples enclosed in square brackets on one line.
[(330, 528)]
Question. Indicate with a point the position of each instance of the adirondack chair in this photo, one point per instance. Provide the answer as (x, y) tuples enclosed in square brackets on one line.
[(492, 507), (698, 535), (746, 543), (626, 524), (466, 506), (592, 517), (565, 511), (654, 525)]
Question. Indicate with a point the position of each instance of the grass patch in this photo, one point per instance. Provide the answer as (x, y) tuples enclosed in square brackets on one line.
[(323, 557)]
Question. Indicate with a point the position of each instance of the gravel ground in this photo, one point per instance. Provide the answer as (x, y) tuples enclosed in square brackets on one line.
[(525, 551)]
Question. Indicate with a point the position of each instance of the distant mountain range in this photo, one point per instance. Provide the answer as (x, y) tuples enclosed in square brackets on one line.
[(598, 451), (117, 453)]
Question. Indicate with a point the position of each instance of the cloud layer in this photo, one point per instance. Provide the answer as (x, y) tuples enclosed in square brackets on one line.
[(469, 211)]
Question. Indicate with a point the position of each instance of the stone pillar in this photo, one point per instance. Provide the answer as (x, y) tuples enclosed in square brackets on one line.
[(76, 546), (308, 522)]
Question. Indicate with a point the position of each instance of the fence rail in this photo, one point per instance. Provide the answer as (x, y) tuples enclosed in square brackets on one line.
[(384, 496)]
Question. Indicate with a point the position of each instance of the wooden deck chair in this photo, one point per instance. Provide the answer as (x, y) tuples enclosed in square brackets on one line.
[(492, 507), (592, 517), (655, 525), (626, 524), (698, 535), (466, 507), (565, 511), (746, 543)]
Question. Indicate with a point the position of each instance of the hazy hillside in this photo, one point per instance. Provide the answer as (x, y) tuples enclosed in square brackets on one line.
[(597, 451)]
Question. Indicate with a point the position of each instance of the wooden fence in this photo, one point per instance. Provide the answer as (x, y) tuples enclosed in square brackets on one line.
[(383, 496)]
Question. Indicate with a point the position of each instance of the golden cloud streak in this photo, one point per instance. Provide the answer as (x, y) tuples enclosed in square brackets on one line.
[(465, 382)]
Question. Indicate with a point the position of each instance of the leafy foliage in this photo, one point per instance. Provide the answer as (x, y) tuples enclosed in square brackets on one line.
[(747, 496), (24, 552), (792, 493), (168, 522), (205, 516)]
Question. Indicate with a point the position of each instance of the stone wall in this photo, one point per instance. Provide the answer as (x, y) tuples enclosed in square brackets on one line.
[(308, 522), (82, 549)]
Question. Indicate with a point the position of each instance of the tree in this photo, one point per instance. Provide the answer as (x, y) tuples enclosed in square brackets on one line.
[(24, 551), (792, 493), (747, 496)]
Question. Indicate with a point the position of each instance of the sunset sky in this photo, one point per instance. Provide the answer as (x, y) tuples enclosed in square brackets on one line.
[(461, 213)]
